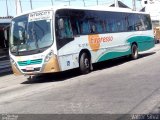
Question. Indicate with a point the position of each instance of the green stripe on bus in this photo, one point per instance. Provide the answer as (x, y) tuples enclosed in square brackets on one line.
[(144, 43), (112, 55)]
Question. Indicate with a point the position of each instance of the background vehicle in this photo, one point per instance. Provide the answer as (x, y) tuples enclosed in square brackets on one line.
[(4, 35), (157, 34), (58, 39)]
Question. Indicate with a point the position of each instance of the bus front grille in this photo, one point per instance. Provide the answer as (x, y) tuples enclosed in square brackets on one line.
[(29, 62)]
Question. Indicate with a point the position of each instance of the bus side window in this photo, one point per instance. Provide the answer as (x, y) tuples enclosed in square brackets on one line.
[(93, 28), (75, 26), (64, 28), (85, 27), (100, 27)]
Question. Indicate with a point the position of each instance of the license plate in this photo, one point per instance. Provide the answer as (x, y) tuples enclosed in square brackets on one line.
[(29, 68)]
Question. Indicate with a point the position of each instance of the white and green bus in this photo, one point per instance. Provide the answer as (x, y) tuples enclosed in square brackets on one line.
[(58, 39)]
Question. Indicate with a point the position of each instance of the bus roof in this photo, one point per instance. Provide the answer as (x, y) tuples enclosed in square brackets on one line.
[(5, 20), (98, 8)]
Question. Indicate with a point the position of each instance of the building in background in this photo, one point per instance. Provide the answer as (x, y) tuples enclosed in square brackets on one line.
[(119, 4), (4, 33), (152, 7)]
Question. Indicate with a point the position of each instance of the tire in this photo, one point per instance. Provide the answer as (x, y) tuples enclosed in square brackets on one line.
[(84, 63), (29, 78), (134, 52)]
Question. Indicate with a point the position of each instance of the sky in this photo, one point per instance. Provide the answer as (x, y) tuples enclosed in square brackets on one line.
[(43, 3)]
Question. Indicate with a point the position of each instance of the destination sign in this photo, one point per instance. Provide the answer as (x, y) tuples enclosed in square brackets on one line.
[(42, 15)]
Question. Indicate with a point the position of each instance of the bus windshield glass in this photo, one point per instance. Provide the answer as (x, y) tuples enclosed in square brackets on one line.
[(30, 35)]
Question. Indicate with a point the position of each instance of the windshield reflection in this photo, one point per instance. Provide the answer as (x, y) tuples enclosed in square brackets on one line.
[(29, 36)]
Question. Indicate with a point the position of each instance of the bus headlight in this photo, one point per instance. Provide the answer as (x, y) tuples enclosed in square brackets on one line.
[(47, 58), (12, 61)]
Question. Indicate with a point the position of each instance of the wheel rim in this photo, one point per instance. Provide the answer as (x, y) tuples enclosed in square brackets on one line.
[(135, 51), (86, 63)]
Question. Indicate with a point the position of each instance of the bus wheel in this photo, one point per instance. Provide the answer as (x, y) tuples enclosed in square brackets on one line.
[(84, 63), (134, 51), (29, 78)]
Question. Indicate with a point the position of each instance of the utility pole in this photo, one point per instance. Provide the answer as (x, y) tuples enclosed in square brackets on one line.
[(116, 3), (69, 2), (97, 2), (134, 5), (31, 4), (7, 7), (18, 7), (84, 3), (52, 2)]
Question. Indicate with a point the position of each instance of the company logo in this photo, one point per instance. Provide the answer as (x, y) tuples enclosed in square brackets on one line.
[(28, 62), (96, 40)]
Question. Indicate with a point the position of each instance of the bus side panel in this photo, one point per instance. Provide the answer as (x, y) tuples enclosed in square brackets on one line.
[(108, 46), (69, 53), (144, 42), (112, 55), (68, 61), (143, 46)]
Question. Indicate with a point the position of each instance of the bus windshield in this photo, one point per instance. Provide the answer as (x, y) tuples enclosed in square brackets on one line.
[(27, 36)]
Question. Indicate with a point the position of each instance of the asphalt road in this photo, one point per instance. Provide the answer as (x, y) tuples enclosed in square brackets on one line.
[(118, 86)]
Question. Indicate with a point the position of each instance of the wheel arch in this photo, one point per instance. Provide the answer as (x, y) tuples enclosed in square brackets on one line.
[(134, 43)]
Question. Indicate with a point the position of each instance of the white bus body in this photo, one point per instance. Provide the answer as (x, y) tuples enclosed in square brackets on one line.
[(59, 39)]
